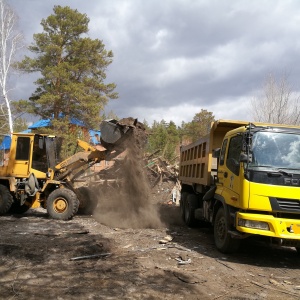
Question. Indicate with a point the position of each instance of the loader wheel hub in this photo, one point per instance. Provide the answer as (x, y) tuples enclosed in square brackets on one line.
[(60, 205)]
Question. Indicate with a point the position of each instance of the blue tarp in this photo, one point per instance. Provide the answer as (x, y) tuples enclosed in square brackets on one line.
[(95, 136), (5, 143), (40, 123), (47, 123)]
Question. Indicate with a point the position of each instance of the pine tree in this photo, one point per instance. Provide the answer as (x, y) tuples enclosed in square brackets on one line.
[(73, 70), (199, 127)]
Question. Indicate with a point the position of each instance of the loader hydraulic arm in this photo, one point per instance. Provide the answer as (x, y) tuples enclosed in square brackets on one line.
[(75, 165), (115, 136)]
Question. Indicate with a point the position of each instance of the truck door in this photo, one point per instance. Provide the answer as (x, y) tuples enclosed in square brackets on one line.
[(229, 169), (21, 165)]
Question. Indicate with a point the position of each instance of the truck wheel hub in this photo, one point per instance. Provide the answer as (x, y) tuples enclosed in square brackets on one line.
[(221, 228)]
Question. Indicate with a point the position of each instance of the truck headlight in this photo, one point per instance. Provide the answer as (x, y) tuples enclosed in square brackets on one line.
[(253, 224)]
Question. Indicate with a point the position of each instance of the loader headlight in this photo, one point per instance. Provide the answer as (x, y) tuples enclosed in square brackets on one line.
[(254, 224)]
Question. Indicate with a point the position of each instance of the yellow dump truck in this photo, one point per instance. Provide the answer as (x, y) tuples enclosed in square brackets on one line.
[(31, 174), (244, 179)]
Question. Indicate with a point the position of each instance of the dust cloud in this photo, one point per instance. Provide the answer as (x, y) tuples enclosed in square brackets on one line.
[(128, 203)]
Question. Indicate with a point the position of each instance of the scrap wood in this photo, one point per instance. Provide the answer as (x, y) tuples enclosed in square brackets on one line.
[(183, 262), (187, 278), (90, 256), (61, 232), (231, 291), (274, 289), (222, 263)]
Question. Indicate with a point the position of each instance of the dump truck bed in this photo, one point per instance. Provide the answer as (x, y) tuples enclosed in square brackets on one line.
[(197, 166)]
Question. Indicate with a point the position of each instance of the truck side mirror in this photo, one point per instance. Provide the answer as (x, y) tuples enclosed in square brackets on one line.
[(216, 153), (245, 158)]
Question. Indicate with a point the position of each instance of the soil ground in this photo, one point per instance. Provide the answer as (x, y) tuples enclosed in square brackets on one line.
[(42, 258)]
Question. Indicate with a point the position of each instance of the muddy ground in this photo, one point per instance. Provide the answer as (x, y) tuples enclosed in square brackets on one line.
[(42, 258)]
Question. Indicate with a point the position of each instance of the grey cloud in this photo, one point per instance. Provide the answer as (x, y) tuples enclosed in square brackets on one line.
[(174, 53)]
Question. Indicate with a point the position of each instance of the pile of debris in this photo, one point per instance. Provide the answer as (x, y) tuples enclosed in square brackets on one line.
[(163, 178)]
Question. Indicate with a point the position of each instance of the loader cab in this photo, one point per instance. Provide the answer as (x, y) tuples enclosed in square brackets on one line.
[(31, 153), (44, 153)]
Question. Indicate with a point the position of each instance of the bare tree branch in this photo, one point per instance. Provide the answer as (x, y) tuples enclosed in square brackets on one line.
[(10, 43), (278, 104)]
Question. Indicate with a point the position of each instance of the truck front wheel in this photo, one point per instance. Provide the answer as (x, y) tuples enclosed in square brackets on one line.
[(62, 204), (6, 199), (223, 240)]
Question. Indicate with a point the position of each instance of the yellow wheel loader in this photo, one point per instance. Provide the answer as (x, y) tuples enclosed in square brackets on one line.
[(31, 175)]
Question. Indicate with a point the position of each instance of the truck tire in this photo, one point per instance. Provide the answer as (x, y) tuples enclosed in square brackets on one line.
[(6, 199), (183, 198), (223, 240), (62, 204), (190, 206)]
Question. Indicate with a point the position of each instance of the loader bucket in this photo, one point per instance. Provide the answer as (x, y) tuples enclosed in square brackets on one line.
[(114, 133)]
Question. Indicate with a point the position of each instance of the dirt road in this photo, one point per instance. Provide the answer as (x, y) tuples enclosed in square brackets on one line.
[(41, 258)]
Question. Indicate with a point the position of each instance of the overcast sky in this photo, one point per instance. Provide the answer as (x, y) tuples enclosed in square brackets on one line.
[(173, 58)]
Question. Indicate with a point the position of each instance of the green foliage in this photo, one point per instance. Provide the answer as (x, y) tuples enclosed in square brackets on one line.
[(20, 124), (109, 115), (199, 127), (164, 138), (73, 70)]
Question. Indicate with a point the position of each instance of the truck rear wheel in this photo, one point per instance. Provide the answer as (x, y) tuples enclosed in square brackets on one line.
[(62, 204), (183, 198), (6, 199), (190, 206), (223, 240)]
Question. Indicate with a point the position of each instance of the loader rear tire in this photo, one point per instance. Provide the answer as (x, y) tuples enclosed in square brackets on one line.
[(6, 199), (62, 204), (16, 208)]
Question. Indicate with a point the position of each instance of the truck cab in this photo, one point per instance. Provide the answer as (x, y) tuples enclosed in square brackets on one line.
[(256, 187)]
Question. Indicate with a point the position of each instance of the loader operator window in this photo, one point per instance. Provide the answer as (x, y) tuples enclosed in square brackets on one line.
[(39, 157), (233, 156), (23, 145)]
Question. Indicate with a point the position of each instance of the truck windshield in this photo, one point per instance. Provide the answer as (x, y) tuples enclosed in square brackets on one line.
[(279, 150)]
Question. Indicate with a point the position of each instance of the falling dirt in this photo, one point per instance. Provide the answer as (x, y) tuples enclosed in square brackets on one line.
[(129, 203)]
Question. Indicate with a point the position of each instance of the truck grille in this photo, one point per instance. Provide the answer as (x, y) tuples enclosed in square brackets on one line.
[(289, 204)]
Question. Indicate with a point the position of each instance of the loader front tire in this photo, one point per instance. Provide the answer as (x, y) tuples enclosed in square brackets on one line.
[(87, 201), (62, 204), (6, 199)]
